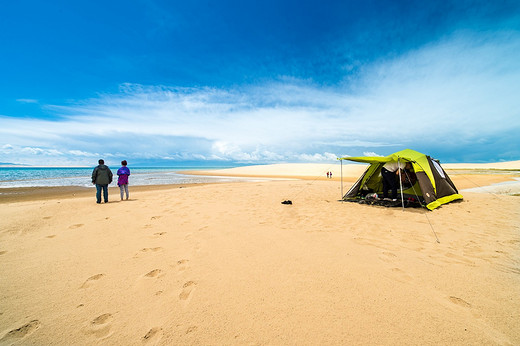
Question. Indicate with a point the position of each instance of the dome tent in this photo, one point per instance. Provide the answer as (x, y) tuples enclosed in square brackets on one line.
[(433, 187)]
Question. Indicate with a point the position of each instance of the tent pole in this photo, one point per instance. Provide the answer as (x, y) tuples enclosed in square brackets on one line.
[(341, 170), (400, 181)]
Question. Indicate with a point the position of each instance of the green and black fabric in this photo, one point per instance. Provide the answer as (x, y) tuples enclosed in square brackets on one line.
[(432, 188)]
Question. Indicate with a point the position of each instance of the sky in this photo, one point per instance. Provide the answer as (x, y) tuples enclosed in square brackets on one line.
[(160, 82)]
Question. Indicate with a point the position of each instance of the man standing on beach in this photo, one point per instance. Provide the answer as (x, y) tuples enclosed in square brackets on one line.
[(101, 177)]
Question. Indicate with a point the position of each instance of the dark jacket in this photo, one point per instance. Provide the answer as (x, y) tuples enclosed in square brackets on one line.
[(102, 175)]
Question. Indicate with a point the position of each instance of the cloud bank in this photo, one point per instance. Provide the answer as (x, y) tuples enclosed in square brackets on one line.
[(456, 99)]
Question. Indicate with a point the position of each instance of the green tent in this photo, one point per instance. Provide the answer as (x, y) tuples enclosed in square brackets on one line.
[(432, 188)]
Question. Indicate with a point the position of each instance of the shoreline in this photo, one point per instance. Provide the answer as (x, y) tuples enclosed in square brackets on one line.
[(27, 194), (464, 176)]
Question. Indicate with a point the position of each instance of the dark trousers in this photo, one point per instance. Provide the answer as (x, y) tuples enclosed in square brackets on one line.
[(103, 187), (389, 182)]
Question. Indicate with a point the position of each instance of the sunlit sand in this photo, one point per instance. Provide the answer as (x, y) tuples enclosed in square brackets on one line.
[(228, 264)]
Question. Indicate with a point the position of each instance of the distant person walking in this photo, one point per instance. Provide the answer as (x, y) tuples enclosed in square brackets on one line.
[(123, 174), (101, 177)]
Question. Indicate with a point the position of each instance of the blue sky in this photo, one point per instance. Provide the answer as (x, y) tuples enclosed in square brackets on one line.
[(165, 82)]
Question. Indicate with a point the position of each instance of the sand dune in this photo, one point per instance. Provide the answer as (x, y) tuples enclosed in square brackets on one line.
[(228, 264)]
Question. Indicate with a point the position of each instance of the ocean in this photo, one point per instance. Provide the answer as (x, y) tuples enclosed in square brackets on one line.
[(11, 177)]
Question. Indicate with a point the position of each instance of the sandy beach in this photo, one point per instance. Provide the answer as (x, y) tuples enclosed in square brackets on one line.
[(228, 264)]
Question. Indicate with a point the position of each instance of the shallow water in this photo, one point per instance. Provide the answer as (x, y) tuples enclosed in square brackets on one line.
[(505, 188), (11, 177)]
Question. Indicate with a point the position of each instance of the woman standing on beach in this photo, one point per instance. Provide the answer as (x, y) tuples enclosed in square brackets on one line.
[(122, 181)]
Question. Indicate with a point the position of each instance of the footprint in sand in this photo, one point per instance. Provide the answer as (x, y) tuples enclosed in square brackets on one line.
[(182, 264), (154, 273), (187, 288), (78, 225), (47, 217), (388, 256), (147, 250), (88, 282), (100, 326), (101, 319), (19, 333), (51, 236), (158, 234), (191, 329), (3, 252), (155, 217), (400, 275), (151, 249), (153, 336), (459, 301)]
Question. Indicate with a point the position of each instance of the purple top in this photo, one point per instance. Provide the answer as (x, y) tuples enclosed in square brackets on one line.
[(123, 174)]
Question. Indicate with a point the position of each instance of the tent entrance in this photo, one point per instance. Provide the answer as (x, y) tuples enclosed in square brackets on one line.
[(369, 189)]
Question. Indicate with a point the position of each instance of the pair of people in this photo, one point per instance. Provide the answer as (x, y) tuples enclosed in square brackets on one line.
[(390, 173), (102, 177)]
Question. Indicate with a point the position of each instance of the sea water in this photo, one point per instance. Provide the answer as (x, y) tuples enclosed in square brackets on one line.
[(11, 177)]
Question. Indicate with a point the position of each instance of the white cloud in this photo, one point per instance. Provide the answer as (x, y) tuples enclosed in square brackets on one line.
[(325, 157), (371, 153), (82, 153), (41, 151), (457, 95)]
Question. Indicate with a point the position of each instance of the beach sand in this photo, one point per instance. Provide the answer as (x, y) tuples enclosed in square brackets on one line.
[(228, 264)]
